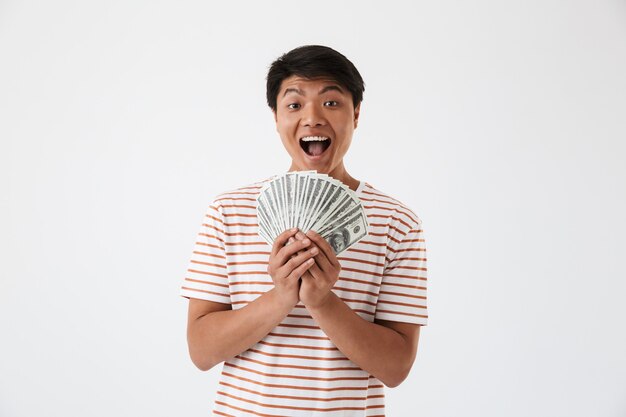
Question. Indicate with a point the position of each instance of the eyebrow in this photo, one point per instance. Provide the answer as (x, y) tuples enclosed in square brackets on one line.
[(322, 91)]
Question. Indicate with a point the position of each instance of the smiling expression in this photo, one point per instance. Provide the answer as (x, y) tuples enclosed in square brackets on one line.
[(315, 119)]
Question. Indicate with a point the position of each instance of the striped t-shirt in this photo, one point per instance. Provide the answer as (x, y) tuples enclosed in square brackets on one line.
[(296, 370)]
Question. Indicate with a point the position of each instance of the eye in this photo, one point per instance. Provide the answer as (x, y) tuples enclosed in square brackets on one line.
[(293, 106), (331, 103)]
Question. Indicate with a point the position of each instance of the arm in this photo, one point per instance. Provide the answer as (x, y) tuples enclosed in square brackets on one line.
[(215, 333), (385, 349)]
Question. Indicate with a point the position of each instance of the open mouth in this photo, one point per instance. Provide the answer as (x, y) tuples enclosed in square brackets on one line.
[(314, 145)]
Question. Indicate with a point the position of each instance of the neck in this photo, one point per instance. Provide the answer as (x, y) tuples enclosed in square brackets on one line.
[(339, 173)]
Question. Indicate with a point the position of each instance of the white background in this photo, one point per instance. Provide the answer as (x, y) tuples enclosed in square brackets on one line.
[(501, 123)]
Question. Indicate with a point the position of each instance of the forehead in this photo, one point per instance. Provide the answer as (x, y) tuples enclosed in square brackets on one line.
[(309, 85)]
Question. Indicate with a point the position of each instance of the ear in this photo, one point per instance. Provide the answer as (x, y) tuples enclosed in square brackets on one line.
[(357, 111)]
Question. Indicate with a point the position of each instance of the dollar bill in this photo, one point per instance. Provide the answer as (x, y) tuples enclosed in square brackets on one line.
[(311, 201)]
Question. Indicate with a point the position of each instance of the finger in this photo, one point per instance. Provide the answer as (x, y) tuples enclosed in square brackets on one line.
[(287, 251), (316, 271), (289, 242), (290, 260), (299, 236), (307, 275), (281, 240), (324, 247), (300, 270), (323, 262)]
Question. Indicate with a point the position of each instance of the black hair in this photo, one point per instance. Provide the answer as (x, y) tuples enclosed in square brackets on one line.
[(312, 61)]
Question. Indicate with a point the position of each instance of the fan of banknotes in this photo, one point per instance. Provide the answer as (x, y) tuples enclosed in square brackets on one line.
[(311, 201)]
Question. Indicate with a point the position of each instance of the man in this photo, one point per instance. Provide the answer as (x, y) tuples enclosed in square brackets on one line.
[(301, 331)]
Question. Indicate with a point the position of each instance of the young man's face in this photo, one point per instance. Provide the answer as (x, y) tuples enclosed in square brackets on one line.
[(308, 110)]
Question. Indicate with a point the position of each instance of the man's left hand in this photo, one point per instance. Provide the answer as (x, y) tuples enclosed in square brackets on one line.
[(318, 280)]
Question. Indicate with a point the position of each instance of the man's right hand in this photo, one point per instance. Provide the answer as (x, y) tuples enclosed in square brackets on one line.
[(286, 265)]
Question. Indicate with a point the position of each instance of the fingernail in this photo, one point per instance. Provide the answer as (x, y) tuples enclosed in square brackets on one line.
[(314, 251), (306, 241), (300, 235), (294, 229)]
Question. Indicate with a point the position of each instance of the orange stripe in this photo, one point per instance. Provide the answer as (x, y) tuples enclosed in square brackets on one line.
[(252, 282), (361, 271), (381, 195), (409, 250), (367, 242), (241, 234), (405, 276), (350, 300), (299, 336), (235, 199), (241, 224), (401, 304), (310, 368), (247, 292), (392, 203), (229, 233), (395, 210), (262, 342), (298, 326), (402, 295), (207, 263), (367, 252), (294, 397), (359, 281), (209, 245), (208, 273), (313, 358), (287, 407), (385, 234), (205, 291), (297, 387), (239, 192), (384, 216), (207, 282), (373, 294), (248, 263), (413, 268), (356, 310), (238, 206), (393, 284), (214, 218), (209, 254), (219, 413), (389, 226), (245, 243), (312, 378), (238, 215), (211, 236), (410, 259), (247, 253), (401, 313), (341, 258), (249, 273)]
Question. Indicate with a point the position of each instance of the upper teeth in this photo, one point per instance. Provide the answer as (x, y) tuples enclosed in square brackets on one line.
[(314, 138)]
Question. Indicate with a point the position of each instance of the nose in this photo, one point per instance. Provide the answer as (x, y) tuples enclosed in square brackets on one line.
[(312, 116)]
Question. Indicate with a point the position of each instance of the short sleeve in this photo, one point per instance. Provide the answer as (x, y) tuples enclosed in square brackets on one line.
[(402, 295), (206, 277)]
